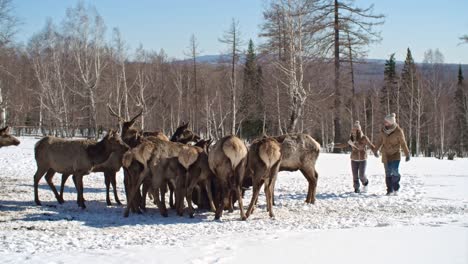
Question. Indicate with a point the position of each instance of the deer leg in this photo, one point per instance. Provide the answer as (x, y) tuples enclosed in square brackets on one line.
[(162, 193), (180, 193), (241, 203), (188, 197), (273, 191), (222, 194), (144, 193), (272, 174), (62, 185), (37, 177), (126, 183), (161, 205), (128, 187), (49, 177), (271, 188), (132, 177), (171, 194), (253, 202), (107, 182), (79, 187), (309, 173), (134, 190), (157, 182), (114, 187), (210, 194), (269, 201)]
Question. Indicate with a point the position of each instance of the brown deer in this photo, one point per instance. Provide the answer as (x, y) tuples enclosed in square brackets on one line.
[(300, 152), (181, 135), (133, 138), (188, 169), (77, 157), (184, 135), (6, 139), (227, 161), (263, 163), (200, 194), (147, 157), (197, 174), (110, 168)]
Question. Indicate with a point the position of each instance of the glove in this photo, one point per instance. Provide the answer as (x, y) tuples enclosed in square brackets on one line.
[(407, 158)]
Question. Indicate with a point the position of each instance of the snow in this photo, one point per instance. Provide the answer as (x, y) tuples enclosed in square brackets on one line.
[(426, 223)]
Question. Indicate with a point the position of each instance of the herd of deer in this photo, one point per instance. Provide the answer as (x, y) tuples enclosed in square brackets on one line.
[(212, 177)]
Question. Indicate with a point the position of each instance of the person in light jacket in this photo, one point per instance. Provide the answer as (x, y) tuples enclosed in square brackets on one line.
[(359, 145), (391, 142)]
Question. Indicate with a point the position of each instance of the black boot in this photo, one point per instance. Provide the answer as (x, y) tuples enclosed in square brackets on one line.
[(389, 183)]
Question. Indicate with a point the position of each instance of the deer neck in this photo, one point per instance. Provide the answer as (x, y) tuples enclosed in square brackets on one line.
[(98, 152)]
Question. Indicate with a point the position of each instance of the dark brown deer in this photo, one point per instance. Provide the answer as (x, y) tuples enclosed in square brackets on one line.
[(184, 135), (6, 139), (300, 152), (77, 157), (263, 163), (227, 161)]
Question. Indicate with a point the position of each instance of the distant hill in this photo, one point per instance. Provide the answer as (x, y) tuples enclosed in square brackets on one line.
[(369, 70)]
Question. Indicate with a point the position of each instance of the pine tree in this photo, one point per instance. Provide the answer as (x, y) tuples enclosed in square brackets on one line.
[(389, 96), (251, 103), (461, 115), (408, 95)]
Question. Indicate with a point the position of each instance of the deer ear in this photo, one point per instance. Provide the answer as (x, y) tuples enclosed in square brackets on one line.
[(5, 130), (184, 126)]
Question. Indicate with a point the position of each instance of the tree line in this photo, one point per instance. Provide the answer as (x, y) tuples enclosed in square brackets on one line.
[(304, 77)]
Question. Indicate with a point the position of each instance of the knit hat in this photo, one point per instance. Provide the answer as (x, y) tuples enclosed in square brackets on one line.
[(357, 125), (391, 118)]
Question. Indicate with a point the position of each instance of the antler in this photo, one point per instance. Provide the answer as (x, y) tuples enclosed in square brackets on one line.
[(138, 115), (113, 113)]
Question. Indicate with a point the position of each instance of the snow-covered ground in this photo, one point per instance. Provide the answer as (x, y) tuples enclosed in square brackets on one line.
[(426, 223)]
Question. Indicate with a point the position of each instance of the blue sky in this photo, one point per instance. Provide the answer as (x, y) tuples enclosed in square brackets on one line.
[(418, 24)]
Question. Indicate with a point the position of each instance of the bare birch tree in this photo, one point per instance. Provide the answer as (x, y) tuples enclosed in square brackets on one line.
[(232, 38), (85, 29), (120, 56)]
